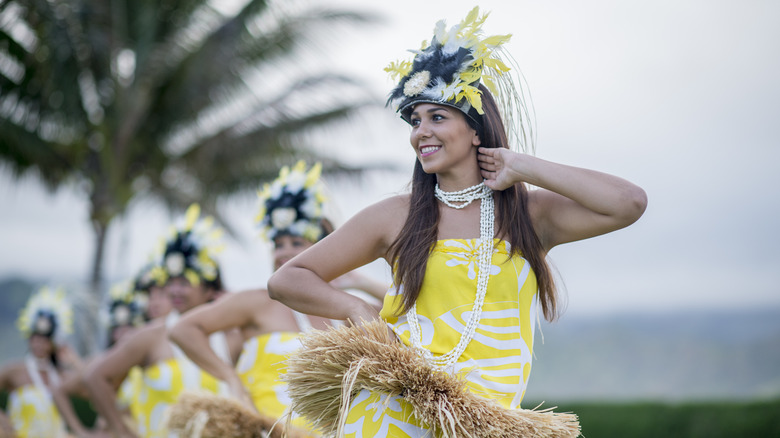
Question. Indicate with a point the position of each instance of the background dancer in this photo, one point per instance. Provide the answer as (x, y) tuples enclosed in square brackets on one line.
[(291, 216), (191, 277), (44, 321)]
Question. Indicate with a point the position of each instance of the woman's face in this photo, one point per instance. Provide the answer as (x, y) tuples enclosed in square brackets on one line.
[(443, 140), (41, 346), (286, 247), (159, 302), (185, 296)]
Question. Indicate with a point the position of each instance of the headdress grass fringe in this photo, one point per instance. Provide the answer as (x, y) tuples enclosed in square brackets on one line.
[(333, 365), (199, 414)]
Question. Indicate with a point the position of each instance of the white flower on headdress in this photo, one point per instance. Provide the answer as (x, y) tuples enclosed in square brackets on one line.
[(311, 207), (417, 83), (282, 218), (42, 324), (174, 264), (122, 315)]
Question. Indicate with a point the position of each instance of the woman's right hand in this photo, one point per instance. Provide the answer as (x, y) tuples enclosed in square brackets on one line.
[(237, 390), (362, 313)]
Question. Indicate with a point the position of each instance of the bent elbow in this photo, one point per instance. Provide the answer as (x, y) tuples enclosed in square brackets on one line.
[(275, 284), (638, 202), (635, 204), (174, 334)]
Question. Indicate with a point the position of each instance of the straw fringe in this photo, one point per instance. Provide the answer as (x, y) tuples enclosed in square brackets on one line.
[(334, 365), (207, 415)]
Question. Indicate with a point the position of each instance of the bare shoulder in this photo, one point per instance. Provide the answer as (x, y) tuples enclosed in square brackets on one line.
[(9, 374), (386, 215), (249, 297), (143, 339)]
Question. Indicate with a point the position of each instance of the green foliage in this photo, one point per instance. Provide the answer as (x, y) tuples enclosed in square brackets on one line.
[(176, 101)]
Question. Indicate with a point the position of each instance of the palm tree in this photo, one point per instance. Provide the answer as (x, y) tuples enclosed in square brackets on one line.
[(173, 100)]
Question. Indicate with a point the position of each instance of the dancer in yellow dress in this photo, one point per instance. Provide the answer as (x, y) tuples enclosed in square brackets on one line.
[(291, 216), (191, 277), (44, 321), (468, 245), (130, 306)]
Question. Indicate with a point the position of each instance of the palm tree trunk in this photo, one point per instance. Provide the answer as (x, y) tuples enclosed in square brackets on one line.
[(87, 324), (96, 276)]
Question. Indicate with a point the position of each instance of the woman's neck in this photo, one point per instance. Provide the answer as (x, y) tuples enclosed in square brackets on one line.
[(454, 183)]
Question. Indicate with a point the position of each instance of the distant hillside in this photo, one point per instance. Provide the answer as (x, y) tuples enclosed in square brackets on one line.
[(660, 357), (13, 296)]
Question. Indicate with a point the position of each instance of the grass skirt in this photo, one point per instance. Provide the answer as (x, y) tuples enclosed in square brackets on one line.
[(206, 415), (334, 365)]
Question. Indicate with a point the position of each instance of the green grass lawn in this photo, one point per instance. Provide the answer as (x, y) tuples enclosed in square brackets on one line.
[(685, 419)]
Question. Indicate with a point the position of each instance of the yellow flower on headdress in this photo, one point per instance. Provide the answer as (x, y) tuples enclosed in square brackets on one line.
[(47, 312), (292, 203)]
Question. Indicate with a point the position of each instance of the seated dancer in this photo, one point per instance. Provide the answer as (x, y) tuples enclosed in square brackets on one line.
[(191, 278), (291, 215), (44, 321), (467, 247)]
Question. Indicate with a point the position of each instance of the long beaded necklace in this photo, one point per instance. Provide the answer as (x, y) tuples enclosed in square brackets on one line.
[(459, 200)]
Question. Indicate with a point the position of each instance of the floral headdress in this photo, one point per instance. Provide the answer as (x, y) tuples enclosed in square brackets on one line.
[(449, 70), (125, 306), (47, 313), (292, 204), (190, 249)]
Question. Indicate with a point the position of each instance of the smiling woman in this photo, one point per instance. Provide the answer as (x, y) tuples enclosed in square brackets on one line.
[(443, 140), (467, 248)]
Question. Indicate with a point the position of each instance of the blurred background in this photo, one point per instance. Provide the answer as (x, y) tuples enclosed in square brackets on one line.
[(114, 118)]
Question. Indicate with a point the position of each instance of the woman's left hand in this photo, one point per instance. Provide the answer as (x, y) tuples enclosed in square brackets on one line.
[(497, 167)]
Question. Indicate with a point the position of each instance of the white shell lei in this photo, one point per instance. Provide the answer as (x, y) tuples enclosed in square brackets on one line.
[(486, 229)]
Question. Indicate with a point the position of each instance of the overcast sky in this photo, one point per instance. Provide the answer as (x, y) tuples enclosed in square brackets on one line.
[(680, 97)]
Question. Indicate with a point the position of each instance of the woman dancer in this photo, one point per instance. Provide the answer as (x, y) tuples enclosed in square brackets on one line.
[(44, 321), (468, 245), (291, 214), (190, 273)]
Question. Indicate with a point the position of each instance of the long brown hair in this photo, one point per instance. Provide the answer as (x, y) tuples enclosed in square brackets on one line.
[(409, 252)]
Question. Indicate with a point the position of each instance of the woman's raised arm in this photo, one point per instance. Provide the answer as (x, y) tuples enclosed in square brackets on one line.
[(571, 203)]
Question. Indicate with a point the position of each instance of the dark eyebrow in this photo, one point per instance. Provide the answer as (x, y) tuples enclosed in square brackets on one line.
[(431, 110)]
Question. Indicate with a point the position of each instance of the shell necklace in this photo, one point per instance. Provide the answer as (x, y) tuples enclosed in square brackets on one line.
[(459, 200)]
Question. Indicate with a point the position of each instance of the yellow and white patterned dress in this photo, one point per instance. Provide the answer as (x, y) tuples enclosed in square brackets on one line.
[(260, 366), (496, 363), (130, 391), (163, 382), (33, 413), (31, 409)]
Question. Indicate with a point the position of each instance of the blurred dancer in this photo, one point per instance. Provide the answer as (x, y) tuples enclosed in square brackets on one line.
[(291, 216), (44, 321), (191, 278)]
